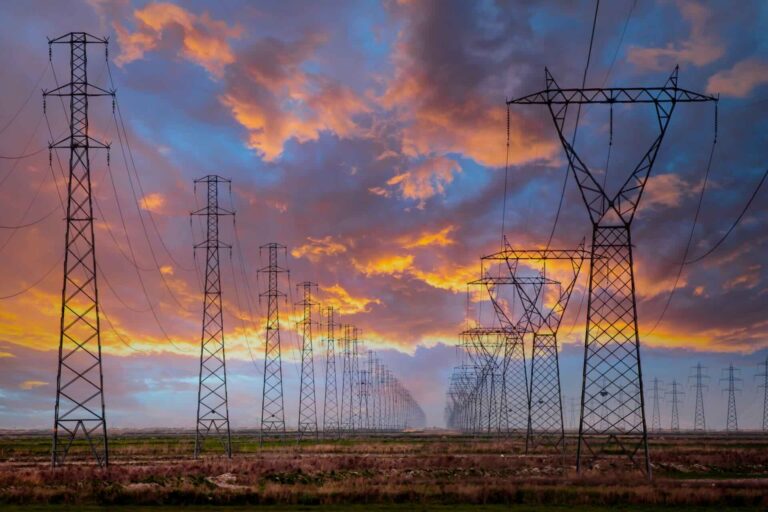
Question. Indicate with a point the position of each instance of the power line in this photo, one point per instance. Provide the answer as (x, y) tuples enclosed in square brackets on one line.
[(26, 101), (576, 125), (735, 223), (690, 235), (33, 285), (138, 180), (621, 41)]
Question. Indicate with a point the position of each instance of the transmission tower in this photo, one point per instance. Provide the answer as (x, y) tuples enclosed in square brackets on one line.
[(347, 382), (543, 405), (732, 422), (357, 397), (764, 385), (79, 418), (307, 402), (331, 399), (212, 405), (656, 418), (272, 405), (699, 420), (675, 394), (612, 345)]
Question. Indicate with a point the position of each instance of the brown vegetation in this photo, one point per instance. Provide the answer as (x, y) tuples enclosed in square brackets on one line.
[(416, 469)]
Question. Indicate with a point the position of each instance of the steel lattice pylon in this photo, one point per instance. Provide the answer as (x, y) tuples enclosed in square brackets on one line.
[(612, 344), (79, 417), (212, 403), (675, 393), (732, 421), (331, 398), (272, 404), (307, 402), (764, 386), (544, 408), (357, 389), (699, 419), (656, 417), (347, 381)]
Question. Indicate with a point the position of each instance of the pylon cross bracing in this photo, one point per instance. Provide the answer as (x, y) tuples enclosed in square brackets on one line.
[(79, 418), (272, 403), (212, 400), (612, 366), (307, 399)]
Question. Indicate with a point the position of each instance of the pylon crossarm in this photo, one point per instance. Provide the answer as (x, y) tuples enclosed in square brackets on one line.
[(611, 95)]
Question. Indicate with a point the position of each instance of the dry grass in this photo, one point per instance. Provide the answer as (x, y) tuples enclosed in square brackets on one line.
[(153, 470)]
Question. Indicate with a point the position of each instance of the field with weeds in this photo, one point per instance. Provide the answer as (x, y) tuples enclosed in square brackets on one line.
[(399, 472)]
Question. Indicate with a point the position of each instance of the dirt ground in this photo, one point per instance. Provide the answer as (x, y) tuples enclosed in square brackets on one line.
[(418, 471)]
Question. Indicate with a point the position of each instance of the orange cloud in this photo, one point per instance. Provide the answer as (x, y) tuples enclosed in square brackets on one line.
[(426, 239), (740, 80), (451, 277), (32, 384), (275, 100), (699, 49), (666, 190), (341, 300), (203, 41), (153, 202), (426, 179), (316, 248), (395, 265)]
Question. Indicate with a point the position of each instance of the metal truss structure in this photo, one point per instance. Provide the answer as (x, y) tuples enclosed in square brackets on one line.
[(675, 394), (545, 426), (272, 404), (699, 419), (212, 404), (79, 419), (731, 421), (331, 423), (656, 417), (307, 402), (612, 345), (764, 385)]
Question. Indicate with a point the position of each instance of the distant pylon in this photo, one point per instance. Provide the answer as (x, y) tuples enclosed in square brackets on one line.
[(212, 405), (699, 420), (674, 424), (331, 422), (347, 382), (272, 404), (79, 409), (307, 400), (656, 418), (764, 385), (732, 422), (357, 399)]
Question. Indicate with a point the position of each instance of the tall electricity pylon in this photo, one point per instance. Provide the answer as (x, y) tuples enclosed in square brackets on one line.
[(357, 398), (732, 422), (675, 393), (656, 418), (79, 417), (699, 420), (272, 404), (612, 344), (331, 422), (212, 405), (764, 385), (543, 408), (307, 402), (347, 381)]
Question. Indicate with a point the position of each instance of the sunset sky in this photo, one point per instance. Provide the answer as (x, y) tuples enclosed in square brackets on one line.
[(369, 138)]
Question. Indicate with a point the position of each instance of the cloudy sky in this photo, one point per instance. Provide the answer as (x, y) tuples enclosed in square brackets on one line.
[(369, 138)]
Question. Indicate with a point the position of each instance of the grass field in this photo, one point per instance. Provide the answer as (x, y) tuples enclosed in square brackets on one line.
[(403, 472)]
